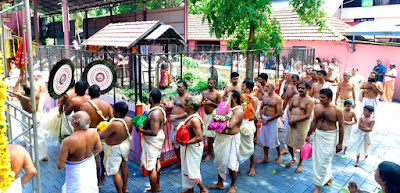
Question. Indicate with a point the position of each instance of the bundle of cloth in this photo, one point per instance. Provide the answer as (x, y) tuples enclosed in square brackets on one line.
[(221, 116)]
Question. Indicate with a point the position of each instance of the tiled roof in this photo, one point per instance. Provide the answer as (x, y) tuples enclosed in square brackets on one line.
[(122, 34), (291, 27)]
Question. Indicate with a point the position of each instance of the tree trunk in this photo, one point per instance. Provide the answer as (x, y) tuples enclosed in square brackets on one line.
[(250, 55)]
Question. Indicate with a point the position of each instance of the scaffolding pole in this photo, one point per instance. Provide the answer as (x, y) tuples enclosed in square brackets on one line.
[(33, 99)]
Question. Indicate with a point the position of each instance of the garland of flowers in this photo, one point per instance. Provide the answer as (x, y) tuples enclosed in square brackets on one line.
[(6, 174)]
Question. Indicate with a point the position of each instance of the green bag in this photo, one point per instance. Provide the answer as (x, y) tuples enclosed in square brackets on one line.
[(139, 121)]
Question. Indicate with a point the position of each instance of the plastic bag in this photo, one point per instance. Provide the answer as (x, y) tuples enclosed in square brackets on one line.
[(306, 151), (182, 134)]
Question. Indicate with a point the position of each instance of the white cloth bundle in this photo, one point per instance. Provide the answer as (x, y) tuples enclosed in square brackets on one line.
[(246, 148), (269, 133), (81, 176), (226, 148), (322, 154), (190, 160), (151, 149)]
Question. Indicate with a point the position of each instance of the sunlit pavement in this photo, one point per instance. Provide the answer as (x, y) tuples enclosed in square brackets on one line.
[(385, 146)]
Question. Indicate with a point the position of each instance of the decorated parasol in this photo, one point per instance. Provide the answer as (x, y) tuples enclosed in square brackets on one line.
[(61, 78), (100, 73)]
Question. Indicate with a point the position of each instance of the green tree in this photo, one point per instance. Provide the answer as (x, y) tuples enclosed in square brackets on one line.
[(251, 26)]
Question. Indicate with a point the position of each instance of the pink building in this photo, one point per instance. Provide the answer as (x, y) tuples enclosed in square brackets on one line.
[(329, 43)]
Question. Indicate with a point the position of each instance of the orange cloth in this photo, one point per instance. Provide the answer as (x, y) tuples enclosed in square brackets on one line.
[(388, 91), (248, 112)]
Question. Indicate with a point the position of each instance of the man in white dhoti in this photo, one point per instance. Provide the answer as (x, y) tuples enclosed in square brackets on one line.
[(177, 116), (364, 140), (226, 147), (153, 140), (77, 155), (27, 106), (271, 110), (20, 159), (325, 120), (117, 137), (192, 150), (210, 100), (248, 128), (299, 113), (350, 119), (371, 91), (259, 93)]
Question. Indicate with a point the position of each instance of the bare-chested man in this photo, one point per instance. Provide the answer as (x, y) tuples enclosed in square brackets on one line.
[(77, 151), (371, 90), (291, 90), (233, 86), (64, 100), (74, 104), (259, 93), (98, 111), (227, 146), (248, 129), (306, 76), (177, 116), (314, 77), (117, 137), (345, 91), (210, 100), (299, 113), (28, 107), (316, 87), (192, 150), (325, 120), (271, 110), (153, 139), (20, 159)]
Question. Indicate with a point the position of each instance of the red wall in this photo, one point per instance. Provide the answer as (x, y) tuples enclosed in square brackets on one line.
[(364, 57)]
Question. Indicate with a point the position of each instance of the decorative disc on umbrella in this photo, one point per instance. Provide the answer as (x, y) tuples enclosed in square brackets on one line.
[(100, 73), (61, 78)]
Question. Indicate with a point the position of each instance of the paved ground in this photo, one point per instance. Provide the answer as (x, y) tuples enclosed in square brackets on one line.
[(385, 146)]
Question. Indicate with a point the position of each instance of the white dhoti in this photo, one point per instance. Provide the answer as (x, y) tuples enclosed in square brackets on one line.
[(113, 156), (207, 120), (296, 137), (16, 187), (226, 148), (269, 133), (246, 148), (347, 135), (190, 162), (370, 102), (322, 153), (151, 149), (81, 176), (285, 125), (172, 133), (29, 139), (364, 143)]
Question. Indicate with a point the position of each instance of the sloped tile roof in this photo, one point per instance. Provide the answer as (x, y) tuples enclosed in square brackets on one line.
[(291, 27)]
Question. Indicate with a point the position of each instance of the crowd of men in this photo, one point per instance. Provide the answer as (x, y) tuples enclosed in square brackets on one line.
[(312, 109)]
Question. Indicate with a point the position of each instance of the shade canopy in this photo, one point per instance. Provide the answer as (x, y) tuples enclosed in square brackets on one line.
[(128, 34), (379, 27), (51, 7)]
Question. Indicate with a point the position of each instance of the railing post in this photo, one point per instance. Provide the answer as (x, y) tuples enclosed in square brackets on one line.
[(149, 63), (181, 66)]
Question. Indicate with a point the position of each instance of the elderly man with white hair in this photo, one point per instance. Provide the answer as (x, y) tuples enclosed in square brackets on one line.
[(77, 155)]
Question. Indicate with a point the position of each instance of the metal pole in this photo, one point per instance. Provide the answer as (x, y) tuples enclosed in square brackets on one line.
[(13, 7), (238, 62), (135, 76), (232, 62), (259, 62), (149, 59), (181, 66), (50, 60), (277, 71), (140, 77), (130, 69), (3, 49), (33, 99)]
